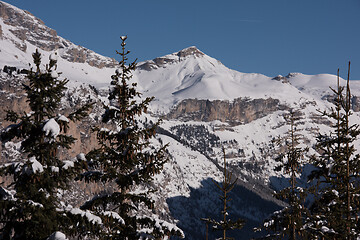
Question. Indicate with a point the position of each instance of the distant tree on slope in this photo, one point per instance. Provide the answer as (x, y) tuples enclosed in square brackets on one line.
[(225, 224), (126, 157), (288, 222), (336, 211), (31, 207)]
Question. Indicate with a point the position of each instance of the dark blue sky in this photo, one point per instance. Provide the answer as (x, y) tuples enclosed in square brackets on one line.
[(263, 36)]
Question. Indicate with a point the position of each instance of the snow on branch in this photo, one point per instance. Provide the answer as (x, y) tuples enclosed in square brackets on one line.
[(34, 167), (57, 236), (91, 217), (7, 194), (51, 128), (114, 215), (162, 226)]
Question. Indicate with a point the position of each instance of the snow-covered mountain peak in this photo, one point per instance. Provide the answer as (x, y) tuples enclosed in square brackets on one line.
[(205, 107), (173, 58), (191, 74), (21, 33), (190, 51)]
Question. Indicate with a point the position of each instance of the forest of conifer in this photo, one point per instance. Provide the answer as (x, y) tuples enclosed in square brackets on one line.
[(32, 205)]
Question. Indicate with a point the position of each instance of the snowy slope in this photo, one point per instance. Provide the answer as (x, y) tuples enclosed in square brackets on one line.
[(22, 33), (319, 85), (203, 77), (188, 73), (185, 189)]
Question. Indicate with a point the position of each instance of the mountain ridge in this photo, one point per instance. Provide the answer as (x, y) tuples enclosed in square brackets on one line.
[(206, 106), (202, 81), (29, 29)]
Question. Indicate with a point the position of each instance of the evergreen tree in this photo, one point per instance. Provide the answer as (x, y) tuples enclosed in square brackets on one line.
[(225, 224), (288, 222), (30, 208), (126, 157), (335, 213)]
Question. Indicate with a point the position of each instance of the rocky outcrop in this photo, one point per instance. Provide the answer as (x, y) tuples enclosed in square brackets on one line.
[(281, 78), (13, 97), (190, 51), (355, 101), (169, 59), (81, 55), (30, 29), (239, 111)]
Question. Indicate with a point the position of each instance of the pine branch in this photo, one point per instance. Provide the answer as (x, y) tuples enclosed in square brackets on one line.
[(80, 113)]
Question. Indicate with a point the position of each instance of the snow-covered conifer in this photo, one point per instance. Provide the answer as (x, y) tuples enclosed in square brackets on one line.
[(225, 223), (335, 212), (126, 157), (288, 222), (30, 207)]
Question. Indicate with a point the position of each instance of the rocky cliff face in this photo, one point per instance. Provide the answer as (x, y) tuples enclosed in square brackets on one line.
[(355, 101), (29, 29), (239, 111), (13, 97)]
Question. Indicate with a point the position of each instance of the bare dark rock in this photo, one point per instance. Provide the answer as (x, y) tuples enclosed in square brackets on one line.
[(147, 66), (355, 101), (281, 78), (173, 58), (190, 51), (240, 111)]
